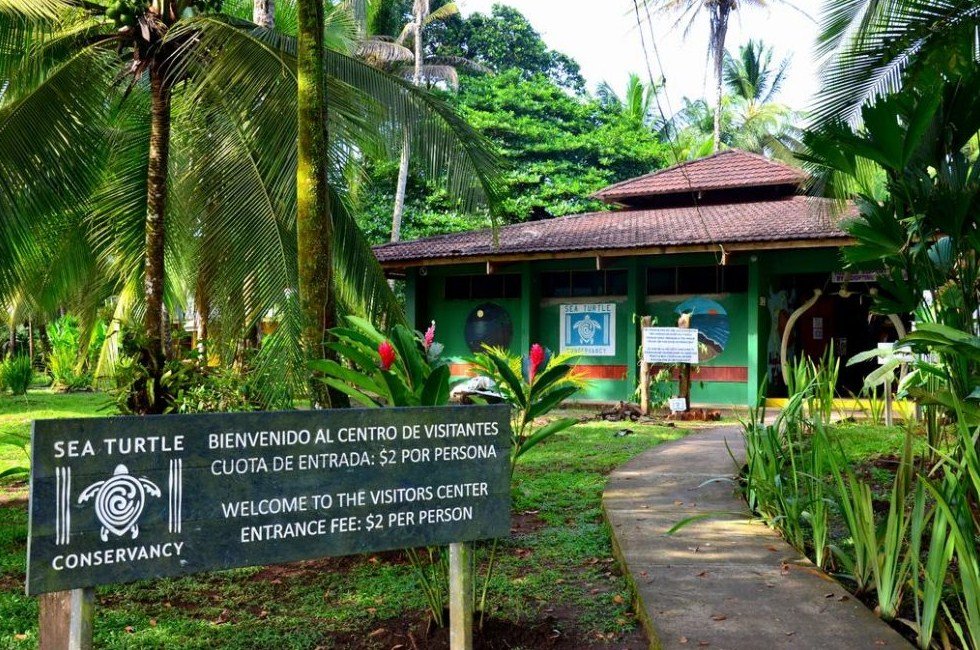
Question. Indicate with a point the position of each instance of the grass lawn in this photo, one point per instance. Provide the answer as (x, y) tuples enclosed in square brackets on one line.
[(555, 572), (16, 414), (863, 441)]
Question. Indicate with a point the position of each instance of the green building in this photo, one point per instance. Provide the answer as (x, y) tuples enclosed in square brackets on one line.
[(726, 241)]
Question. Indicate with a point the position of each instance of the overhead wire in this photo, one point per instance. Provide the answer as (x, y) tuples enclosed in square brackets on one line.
[(668, 122)]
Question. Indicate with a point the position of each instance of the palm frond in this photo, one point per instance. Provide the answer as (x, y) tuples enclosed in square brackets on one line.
[(50, 150), (870, 47), (379, 52)]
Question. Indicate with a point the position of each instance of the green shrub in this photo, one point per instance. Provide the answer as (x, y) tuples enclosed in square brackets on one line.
[(17, 374), (64, 359), (198, 389)]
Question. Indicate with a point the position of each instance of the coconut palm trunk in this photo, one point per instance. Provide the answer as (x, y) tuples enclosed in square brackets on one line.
[(421, 10), (720, 12), (156, 207), (264, 13), (313, 220)]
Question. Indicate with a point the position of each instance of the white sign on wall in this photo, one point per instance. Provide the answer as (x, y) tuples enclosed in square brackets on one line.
[(670, 345), (589, 329)]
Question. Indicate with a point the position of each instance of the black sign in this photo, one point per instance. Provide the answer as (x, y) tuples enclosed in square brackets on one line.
[(121, 499)]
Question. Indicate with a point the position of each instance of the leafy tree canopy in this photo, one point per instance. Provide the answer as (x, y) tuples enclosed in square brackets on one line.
[(502, 41), (560, 148)]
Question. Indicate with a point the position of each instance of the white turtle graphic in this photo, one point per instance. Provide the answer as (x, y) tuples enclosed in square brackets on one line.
[(119, 501), (587, 329)]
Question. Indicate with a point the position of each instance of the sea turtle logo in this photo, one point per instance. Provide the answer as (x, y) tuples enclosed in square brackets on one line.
[(119, 502), (587, 329)]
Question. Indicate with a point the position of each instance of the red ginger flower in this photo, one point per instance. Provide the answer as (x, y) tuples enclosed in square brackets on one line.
[(387, 353), (430, 336), (537, 358)]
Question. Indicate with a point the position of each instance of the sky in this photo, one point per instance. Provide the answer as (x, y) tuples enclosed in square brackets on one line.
[(603, 37)]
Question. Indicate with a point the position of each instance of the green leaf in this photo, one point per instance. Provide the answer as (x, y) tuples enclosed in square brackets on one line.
[(548, 401), (400, 394), (350, 391), (544, 433), (333, 369), (552, 374), (436, 389), (514, 383), (366, 361), (410, 352)]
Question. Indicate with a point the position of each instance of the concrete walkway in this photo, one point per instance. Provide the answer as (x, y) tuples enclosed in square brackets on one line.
[(724, 582)]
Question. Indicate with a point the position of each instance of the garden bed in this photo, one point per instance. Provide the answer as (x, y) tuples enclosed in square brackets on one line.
[(877, 511)]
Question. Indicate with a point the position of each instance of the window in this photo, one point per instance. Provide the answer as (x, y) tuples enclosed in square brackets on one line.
[(583, 284), (697, 279), (483, 287), (685, 280)]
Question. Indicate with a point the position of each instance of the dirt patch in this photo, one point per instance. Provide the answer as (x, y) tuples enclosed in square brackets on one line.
[(525, 523), (278, 573), (13, 495), (554, 631), (12, 582)]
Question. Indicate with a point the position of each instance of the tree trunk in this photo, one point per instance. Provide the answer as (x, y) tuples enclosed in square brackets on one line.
[(156, 207), (202, 309), (685, 385), (399, 211), (719, 31), (396, 217), (264, 13), (30, 339), (314, 227)]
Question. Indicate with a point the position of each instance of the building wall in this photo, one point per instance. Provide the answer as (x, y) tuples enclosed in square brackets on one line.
[(732, 377)]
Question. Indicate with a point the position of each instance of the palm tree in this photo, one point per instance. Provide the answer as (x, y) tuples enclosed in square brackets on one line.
[(750, 117), (424, 71), (314, 224), (185, 178), (761, 124), (870, 49), (753, 76), (719, 12), (637, 101)]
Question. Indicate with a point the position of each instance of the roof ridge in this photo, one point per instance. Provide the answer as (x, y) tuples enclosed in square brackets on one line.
[(655, 172), (508, 226), (611, 191)]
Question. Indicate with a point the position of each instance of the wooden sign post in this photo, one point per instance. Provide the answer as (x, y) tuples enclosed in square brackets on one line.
[(645, 322), (66, 620), (120, 499), (460, 597)]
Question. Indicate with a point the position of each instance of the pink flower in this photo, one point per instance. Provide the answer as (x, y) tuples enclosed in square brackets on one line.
[(387, 354), (537, 358), (430, 336)]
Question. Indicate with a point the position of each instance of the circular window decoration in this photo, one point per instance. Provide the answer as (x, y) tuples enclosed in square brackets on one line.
[(711, 321), (488, 324)]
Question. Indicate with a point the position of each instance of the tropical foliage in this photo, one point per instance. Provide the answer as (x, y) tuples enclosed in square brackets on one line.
[(403, 370), (501, 41), (873, 49), (751, 118), (558, 150), (908, 168), (534, 386), (148, 165), (718, 13)]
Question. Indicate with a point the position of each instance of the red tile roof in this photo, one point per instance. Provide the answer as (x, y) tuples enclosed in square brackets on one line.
[(729, 169), (791, 219)]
